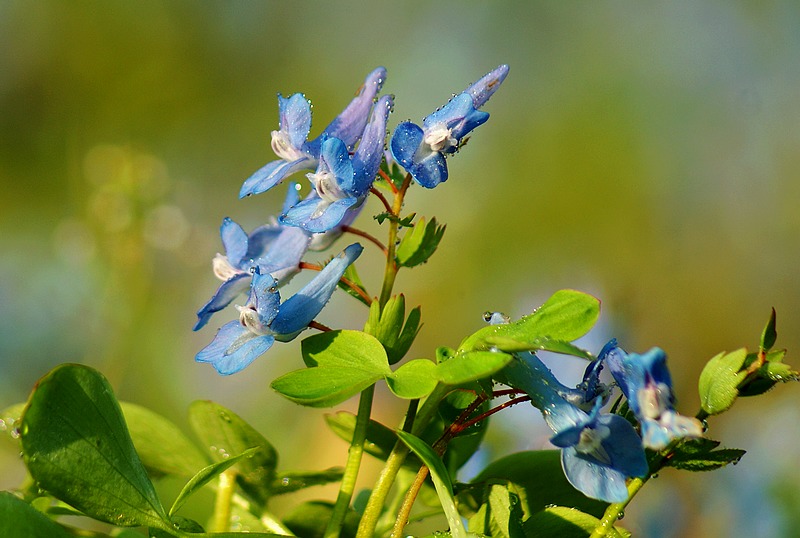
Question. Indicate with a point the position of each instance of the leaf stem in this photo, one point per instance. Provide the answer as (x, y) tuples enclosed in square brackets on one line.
[(354, 454), (365, 235), (390, 272)]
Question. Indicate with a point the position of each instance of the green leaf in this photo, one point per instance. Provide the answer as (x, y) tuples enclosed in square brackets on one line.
[(77, 447), (310, 520), (419, 243), (772, 371), (529, 471), (19, 519), (341, 364), (380, 439), (351, 274), (415, 379), (468, 366), (162, 447), (291, 481), (441, 481), (566, 316), (566, 523), (224, 433), (770, 334), (542, 344), (387, 326), (206, 475), (702, 455), (719, 381), (501, 516)]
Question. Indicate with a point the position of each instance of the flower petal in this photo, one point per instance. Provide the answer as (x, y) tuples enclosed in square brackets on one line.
[(369, 154), (592, 479), (295, 118), (349, 125), (224, 295), (264, 296), (428, 168), (317, 216), (273, 173), (233, 348), (484, 88), (300, 309), (235, 240)]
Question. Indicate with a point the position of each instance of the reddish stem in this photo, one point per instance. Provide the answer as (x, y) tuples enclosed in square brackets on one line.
[(389, 181), (383, 200), (365, 235)]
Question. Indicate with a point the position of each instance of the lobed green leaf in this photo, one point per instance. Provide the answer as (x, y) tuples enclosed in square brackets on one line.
[(419, 243), (702, 455), (719, 381)]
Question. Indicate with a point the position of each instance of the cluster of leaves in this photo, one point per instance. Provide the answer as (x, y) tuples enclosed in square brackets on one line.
[(89, 455)]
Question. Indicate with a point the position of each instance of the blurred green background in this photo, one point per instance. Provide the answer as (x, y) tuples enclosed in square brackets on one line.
[(645, 154)]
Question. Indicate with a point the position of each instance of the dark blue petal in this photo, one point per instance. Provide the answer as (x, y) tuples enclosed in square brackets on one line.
[(300, 309), (295, 118), (407, 137), (273, 173), (233, 348), (484, 88), (624, 446), (235, 240), (349, 125), (226, 293), (430, 171), (368, 156)]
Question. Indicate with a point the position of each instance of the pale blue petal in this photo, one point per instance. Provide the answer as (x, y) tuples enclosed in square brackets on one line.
[(484, 88), (273, 173), (349, 125), (264, 296), (226, 293), (292, 196), (300, 309), (335, 159), (317, 216), (233, 348), (592, 479), (260, 240), (459, 115), (295, 118), (235, 241), (286, 251)]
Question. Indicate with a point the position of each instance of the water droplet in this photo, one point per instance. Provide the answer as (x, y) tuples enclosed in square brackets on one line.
[(285, 482), (705, 425), (621, 514), (16, 433), (655, 475)]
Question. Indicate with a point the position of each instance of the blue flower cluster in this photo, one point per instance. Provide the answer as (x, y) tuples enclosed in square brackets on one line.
[(600, 451), (342, 163)]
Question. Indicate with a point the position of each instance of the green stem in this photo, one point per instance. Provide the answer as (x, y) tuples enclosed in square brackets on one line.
[(616, 510), (390, 272), (366, 529), (222, 504), (354, 455)]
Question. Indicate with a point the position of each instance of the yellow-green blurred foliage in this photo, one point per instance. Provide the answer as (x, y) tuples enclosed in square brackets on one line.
[(648, 154)]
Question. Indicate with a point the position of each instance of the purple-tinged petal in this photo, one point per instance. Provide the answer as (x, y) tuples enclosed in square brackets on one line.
[(234, 240), (300, 309), (260, 241), (273, 173), (368, 156), (295, 118), (224, 295), (349, 125), (484, 88), (233, 348)]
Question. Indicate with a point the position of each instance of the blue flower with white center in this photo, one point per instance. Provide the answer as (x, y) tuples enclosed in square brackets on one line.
[(599, 451), (422, 150), (646, 383), (265, 319), (274, 249), (341, 183), (290, 142)]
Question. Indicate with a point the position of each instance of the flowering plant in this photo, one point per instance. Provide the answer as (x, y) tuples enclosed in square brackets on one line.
[(89, 455)]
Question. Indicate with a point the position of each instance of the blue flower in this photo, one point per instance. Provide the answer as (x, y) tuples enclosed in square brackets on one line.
[(290, 142), (599, 451), (341, 183), (422, 150), (264, 319), (273, 249), (646, 383)]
